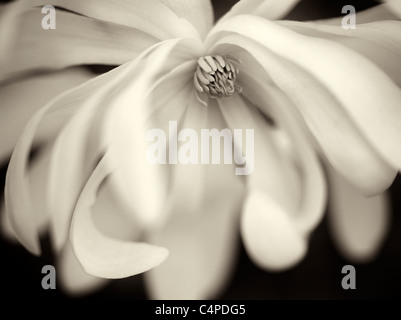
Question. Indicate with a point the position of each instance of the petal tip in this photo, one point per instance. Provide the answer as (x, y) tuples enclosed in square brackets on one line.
[(270, 237)]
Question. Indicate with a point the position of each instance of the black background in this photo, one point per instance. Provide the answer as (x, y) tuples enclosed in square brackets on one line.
[(318, 276)]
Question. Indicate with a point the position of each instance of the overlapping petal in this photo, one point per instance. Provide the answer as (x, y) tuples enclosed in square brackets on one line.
[(298, 147), (200, 235), (111, 218), (271, 173), (273, 192), (394, 6), (141, 107), (197, 12), (68, 170), (72, 277), (18, 108), (128, 112), (8, 27), (269, 234), (298, 198), (379, 41), (362, 109), (359, 225), (269, 9), (150, 16), (100, 255), (76, 40), (38, 175), (376, 13), (114, 32), (97, 161)]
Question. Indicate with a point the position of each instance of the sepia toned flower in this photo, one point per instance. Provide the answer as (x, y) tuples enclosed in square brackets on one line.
[(323, 103)]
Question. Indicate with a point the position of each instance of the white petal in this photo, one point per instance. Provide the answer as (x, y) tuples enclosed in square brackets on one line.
[(394, 6), (289, 136), (111, 219), (181, 196), (274, 103), (321, 114), (269, 231), (197, 12), (202, 237), (149, 16), (272, 172), (377, 13), (8, 28), (283, 73), (84, 99), (269, 9), (297, 149), (6, 228), (20, 100), (128, 139), (101, 43), (380, 41), (99, 254), (359, 225), (38, 175), (84, 139), (72, 277), (76, 149), (269, 234)]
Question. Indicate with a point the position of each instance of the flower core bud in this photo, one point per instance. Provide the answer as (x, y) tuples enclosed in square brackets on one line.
[(216, 76)]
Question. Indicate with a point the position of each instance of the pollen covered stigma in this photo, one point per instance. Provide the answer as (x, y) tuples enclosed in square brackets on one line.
[(215, 77)]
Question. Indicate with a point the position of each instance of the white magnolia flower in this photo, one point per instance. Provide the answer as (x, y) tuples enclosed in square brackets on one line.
[(314, 93)]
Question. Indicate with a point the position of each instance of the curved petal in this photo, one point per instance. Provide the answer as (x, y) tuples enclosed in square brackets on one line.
[(38, 175), (289, 135), (6, 230), (200, 235), (104, 123), (8, 27), (71, 276), (154, 91), (112, 219), (273, 102), (380, 41), (269, 9), (394, 6), (337, 136), (284, 71), (76, 149), (150, 17), (20, 100), (101, 43), (84, 99), (100, 255), (180, 196), (376, 111), (377, 13), (273, 197), (359, 225), (269, 234), (197, 12), (271, 172)]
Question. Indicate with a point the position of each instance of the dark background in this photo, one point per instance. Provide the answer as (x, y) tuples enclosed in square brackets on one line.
[(318, 276)]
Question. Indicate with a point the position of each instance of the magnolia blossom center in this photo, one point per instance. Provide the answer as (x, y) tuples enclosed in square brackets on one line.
[(215, 76)]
